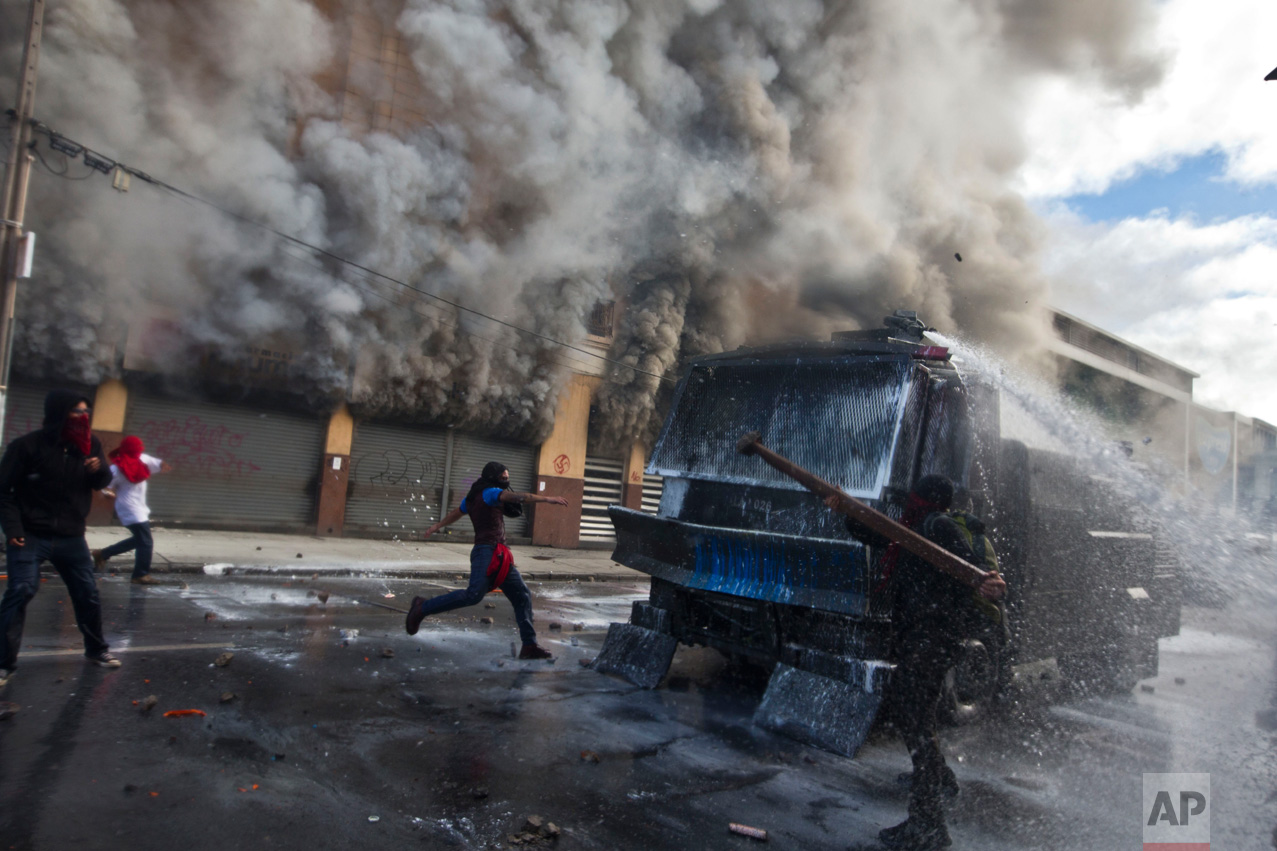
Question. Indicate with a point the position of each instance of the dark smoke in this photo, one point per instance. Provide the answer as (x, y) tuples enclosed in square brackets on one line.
[(731, 172)]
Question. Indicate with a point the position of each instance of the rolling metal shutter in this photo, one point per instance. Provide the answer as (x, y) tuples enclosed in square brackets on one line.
[(653, 487), (470, 453), (396, 478), (603, 478), (24, 410), (232, 466)]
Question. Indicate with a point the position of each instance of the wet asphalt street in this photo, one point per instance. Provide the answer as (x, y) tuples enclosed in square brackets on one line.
[(343, 731)]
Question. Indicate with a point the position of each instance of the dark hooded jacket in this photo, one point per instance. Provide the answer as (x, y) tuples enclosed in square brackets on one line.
[(45, 489), (489, 520)]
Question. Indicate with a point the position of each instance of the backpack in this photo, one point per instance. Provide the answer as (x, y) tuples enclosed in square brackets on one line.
[(972, 529)]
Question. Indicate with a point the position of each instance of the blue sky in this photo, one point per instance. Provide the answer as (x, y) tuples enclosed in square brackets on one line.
[(1195, 188)]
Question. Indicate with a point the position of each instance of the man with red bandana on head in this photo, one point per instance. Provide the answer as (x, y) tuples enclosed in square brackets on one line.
[(47, 479), (130, 468)]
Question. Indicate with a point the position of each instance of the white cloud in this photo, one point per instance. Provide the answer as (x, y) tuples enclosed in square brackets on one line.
[(1214, 96), (1203, 296)]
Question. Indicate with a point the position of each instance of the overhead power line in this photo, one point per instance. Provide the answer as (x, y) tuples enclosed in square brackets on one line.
[(101, 163)]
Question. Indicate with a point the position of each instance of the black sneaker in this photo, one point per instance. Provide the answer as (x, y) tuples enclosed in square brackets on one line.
[(912, 835), (104, 660), (535, 651), (415, 615)]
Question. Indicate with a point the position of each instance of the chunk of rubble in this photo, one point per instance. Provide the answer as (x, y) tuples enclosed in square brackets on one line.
[(590, 756), (227, 697), (224, 660), (485, 620), (323, 596), (387, 653), (148, 703)]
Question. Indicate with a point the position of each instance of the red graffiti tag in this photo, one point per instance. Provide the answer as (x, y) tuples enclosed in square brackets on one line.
[(194, 447), (636, 476), (562, 464)]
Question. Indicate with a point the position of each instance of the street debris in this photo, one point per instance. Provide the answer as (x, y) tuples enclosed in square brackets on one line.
[(585, 663), (148, 703), (224, 660), (7, 710), (745, 830), (590, 756), (389, 595), (479, 792), (387, 653), (485, 620), (489, 605), (555, 626), (227, 697), (299, 555), (577, 627), (1179, 681), (536, 831), (374, 819), (182, 713), (323, 596), (209, 616), (1146, 688)]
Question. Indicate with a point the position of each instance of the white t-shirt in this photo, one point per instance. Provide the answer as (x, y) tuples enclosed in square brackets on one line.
[(130, 499)]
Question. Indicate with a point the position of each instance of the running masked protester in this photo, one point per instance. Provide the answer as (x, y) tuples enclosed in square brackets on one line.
[(47, 479), (931, 614), (488, 503)]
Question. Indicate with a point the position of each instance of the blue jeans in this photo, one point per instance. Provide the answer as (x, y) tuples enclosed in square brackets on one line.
[(513, 588), (70, 557), (142, 542)]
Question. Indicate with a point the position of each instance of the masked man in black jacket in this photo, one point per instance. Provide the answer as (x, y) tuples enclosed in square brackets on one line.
[(47, 479)]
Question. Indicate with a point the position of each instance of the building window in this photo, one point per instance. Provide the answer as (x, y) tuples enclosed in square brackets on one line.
[(599, 322)]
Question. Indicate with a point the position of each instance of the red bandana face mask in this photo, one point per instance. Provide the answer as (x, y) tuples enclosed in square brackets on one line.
[(128, 457), (76, 432)]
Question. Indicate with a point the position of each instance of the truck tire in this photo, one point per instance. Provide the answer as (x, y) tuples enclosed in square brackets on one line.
[(972, 684)]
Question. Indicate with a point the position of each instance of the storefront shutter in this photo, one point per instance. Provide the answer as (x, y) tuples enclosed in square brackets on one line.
[(233, 466), (603, 477), (470, 453), (396, 478), (24, 410)]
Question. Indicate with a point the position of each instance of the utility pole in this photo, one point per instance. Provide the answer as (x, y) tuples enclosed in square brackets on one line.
[(17, 173)]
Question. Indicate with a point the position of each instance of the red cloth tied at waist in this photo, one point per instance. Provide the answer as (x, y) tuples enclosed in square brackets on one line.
[(499, 566)]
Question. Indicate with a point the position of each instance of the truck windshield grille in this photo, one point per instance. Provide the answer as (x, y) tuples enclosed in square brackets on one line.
[(836, 419)]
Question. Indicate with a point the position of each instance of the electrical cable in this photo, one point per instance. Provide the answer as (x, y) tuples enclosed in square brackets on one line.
[(44, 129)]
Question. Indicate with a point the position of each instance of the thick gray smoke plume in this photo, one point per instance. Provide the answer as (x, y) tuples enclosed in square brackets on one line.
[(731, 171)]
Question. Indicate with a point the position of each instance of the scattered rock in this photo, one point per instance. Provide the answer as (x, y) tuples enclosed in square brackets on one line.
[(129, 788), (590, 756), (373, 819), (577, 627), (323, 596), (485, 620), (1146, 688), (225, 659), (585, 663), (148, 703), (555, 626), (259, 548), (489, 605), (227, 697), (387, 653), (299, 555), (209, 616), (1179, 681), (479, 793), (314, 576), (273, 597)]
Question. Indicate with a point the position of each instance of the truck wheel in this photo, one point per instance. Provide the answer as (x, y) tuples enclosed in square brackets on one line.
[(971, 684)]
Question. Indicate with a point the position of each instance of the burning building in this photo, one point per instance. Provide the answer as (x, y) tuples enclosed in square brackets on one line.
[(466, 185)]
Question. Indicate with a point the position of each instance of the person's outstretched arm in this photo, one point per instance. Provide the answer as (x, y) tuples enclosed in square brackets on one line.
[(447, 520), (516, 496)]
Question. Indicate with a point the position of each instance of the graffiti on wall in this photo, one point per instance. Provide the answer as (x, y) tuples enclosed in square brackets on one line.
[(394, 468), (194, 447)]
